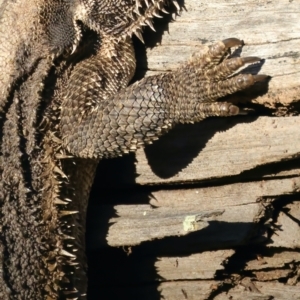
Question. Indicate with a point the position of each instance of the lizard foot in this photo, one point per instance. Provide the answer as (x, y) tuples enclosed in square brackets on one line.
[(219, 70), (221, 67), (213, 75)]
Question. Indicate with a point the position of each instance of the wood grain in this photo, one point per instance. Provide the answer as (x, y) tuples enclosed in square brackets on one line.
[(196, 266), (217, 148), (267, 291), (225, 215)]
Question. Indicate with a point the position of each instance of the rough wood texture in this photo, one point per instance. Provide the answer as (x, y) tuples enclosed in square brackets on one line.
[(288, 234), (196, 266), (266, 291), (187, 290), (218, 148), (270, 29), (205, 290), (170, 211)]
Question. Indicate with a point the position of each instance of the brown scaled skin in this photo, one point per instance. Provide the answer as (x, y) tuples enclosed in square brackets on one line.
[(64, 104), (140, 113)]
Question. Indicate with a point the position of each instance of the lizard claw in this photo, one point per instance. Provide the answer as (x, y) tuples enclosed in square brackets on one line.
[(232, 42), (250, 59), (260, 78), (229, 109), (228, 66), (217, 75), (243, 81)]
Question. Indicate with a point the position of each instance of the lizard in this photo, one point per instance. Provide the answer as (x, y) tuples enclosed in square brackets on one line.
[(66, 103)]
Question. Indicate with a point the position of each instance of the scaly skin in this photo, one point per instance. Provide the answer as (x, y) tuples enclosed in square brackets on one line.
[(64, 104)]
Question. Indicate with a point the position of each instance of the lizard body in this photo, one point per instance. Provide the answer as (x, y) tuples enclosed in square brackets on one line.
[(65, 103)]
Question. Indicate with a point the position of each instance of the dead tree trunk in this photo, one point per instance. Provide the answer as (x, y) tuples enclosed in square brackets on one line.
[(212, 210)]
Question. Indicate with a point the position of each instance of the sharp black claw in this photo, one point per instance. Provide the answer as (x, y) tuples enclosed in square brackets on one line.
[(232, 42), (250, 59), (258, 78)]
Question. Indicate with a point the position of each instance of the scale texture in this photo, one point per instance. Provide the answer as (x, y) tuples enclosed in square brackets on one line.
[(65, 103)]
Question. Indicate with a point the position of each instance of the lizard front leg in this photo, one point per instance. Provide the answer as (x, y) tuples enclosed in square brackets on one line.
[(140, 113)]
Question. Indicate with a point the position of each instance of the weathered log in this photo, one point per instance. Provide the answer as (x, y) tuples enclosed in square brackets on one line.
[(218, 148), (196, 266), (237, 178), (228, 212), (205, 290), (266, 291)]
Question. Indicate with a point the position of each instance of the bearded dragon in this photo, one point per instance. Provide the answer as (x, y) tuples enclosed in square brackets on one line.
[(65, 103)]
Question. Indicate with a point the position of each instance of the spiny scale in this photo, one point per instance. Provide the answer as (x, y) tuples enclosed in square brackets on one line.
[(145, 18)]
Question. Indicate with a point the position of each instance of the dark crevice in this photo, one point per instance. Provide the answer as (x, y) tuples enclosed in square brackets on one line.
[(25, 158), (17, 88), (280, 207)]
